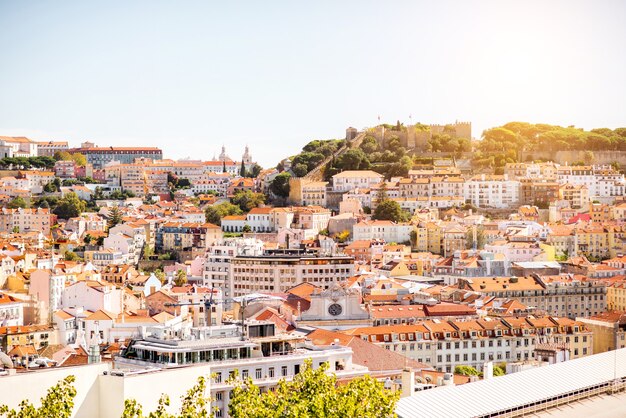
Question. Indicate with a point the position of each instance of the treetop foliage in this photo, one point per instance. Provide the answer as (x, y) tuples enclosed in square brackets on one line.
[(58, 403), (313, 393), (528, 136)]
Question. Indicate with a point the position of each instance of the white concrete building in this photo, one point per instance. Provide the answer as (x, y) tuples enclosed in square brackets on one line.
[(492, 191), (216, 273), (92, 295), (277, 271), (11, 311), (383, 230), (348, 180)]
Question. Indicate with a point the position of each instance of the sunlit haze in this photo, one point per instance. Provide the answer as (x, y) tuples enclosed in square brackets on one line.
[(191, 76)]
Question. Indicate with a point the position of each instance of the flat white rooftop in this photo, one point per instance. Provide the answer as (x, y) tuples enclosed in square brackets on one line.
[(500, 394)]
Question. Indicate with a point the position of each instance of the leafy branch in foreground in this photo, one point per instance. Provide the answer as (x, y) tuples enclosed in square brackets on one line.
[(313, 393), (58, 403), (195, 404)]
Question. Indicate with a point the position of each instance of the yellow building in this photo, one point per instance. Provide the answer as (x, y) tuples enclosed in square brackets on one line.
[(609, 331), (421, 239), (435, 237), (616, 296), (593, 241)]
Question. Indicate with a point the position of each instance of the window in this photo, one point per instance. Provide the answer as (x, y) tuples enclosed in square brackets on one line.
[(258, 373), (284, 371), (270, 372)]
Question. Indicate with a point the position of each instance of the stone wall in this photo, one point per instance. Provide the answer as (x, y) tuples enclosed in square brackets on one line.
[(571, 156)]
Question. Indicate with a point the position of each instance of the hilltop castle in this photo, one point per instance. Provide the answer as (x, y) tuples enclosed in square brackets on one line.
[(417, 136)]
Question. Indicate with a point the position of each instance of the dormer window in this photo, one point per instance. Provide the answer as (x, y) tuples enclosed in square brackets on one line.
[(498, 333)]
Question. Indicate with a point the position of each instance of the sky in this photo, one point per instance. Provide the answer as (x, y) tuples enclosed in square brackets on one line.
[(191, 76)]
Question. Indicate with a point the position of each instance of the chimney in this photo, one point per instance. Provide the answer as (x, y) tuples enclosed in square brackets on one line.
[(488, 370), (408, 382)]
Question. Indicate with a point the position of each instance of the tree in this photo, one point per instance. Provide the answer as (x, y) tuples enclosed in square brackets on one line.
[(308, 159), (114, 217), (466, 371), (480, 238), (354, 159), (246, 228), (70, 206), (183, 183), (58, 403), (280, 185), (195, 404), (98, 194), (369, 145), (313, 393), (181, 278), (413, 238), (49, 188), (588, 157), (224, 166), (254, 171), (242, 170), (389, 210), (300, 170), (79, 159), (71, 256), (62, 156), (159, 274), (215, 213), (18, 202), (342, 236), (247, 200), (499, 370), (381, 195)]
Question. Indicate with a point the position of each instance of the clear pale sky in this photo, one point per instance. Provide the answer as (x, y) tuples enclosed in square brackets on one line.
[(189, 76)]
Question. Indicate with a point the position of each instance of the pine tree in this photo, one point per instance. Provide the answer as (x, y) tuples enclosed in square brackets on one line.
[(242, 170), (224, 166), (115, 217)]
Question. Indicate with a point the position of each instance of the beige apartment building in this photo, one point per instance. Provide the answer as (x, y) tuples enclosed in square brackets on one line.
[(25, 220), (447, 344), (280, 270)]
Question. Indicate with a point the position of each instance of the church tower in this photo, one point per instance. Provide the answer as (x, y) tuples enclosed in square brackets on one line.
[(247, 158), (223, 156)]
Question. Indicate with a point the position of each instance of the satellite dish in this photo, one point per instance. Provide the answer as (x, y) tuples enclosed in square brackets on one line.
[(6, 360)]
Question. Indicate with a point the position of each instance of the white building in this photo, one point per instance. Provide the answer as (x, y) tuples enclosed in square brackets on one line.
[(47, 288), (11, 311), (277, 271), (216, 273), (92, 295), (382, 230), (348, 180), (492, 191)]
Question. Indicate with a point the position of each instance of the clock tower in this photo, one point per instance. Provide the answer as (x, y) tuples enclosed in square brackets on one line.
[(336, 308)]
